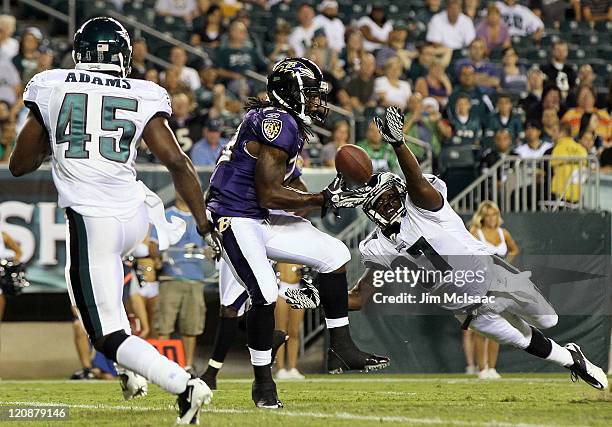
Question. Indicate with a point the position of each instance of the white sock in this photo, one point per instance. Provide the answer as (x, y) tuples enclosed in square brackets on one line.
[(215, 364), (560, 355), (336, 323), (260, 357), (141, 357)]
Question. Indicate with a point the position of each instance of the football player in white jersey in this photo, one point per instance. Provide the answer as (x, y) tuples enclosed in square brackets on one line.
[(90, 120), (418, 229)]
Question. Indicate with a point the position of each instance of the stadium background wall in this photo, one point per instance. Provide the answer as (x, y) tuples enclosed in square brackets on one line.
[(569, 258)]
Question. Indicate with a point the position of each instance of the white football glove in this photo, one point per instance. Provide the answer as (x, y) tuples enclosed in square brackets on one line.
[(337, 195), (213, 248), (307, 296), (392, 129)]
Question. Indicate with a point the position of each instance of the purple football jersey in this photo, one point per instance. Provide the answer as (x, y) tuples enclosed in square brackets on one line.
[(232, 184)]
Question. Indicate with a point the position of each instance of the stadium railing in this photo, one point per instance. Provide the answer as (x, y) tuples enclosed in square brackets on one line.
[(526, 185), (69, 18)]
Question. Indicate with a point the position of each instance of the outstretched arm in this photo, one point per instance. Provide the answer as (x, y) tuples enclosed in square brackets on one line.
[(164, 146), (269, 177), (420, 190), (31, 147)]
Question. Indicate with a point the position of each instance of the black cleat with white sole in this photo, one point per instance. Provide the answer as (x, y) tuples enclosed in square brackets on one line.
[(591, 374), (340, 360), (191, 400), (264, 396)]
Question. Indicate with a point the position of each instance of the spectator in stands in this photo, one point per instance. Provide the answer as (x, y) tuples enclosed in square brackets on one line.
[(181, 298), (504, 118), (26, 61), (420, 67), (534, 146), (424, 121), (565, 185), (551, 98), (514, 77), (550, 125), (552, 12), (490, 156), (171, 81), (481, 103), (471, 9), (204, 95), (558, 71), (465, 122), (435, 84), (327, 58), (535, 89), (375, 28), (10, 83), (520, 20), (301, 36), (353, 52), (487, 75), (389, 88), (382, 155), (396, 46), (235, 58), (331, 24), (586, 77), (206, 151), (208, 29), (187, 75), (9, 47), (152, 75), (586, 104), (451, 28), (140, 64), (360, 86), (185, 9), (280, 49), (493, 30), (327, 61), (431, 8), (340, 136), (186, 126), (596, 10), (586, 138)]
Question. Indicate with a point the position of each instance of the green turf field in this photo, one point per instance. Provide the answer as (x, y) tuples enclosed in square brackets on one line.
[(355, 400)]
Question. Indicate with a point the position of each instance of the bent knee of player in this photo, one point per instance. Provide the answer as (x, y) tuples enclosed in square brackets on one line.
[(545, 321), (339, 256)]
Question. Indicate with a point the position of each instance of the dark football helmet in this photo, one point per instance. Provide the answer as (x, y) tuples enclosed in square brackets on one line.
[(296, 85), (102, 44), (386, 202)]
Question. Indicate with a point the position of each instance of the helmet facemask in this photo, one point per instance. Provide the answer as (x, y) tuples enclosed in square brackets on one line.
[(386, 203)]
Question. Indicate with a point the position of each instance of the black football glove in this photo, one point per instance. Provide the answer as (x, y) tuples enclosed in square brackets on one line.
[(392, 129), (337, 195)]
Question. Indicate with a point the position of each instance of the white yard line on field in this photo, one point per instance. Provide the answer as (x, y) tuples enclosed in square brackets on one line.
[(285, 413)]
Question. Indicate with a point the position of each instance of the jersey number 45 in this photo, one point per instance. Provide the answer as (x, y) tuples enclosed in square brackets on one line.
[(71, 127)]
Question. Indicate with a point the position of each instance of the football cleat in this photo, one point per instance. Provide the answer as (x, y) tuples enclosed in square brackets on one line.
[(278, 340), (265, 396), (591, 374), (353, 359), (132, 384), (191, 400)]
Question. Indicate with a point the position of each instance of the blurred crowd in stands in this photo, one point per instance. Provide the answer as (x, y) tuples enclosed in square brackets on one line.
[(477, 80)]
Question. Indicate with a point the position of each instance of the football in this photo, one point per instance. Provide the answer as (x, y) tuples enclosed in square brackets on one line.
[(354, 164)]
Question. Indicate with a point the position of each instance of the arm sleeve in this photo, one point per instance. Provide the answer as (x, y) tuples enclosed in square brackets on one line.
[(33, 99), (279, 131), (161, 105), (373, 254)]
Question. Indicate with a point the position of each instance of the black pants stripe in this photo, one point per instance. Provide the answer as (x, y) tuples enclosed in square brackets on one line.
[(80, 278)]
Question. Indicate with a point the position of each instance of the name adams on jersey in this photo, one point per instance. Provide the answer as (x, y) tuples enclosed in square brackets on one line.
[(94, 122)]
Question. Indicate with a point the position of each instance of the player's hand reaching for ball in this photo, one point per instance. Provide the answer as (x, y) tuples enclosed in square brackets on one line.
[(392, 128), (337, 195)]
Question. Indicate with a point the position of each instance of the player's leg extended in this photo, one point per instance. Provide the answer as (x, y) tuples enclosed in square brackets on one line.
[(95, 279), (244, 250), (296, 240), (233, 301)]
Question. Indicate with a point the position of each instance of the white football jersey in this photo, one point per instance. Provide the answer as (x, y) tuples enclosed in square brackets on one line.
[(435, 242), (521, 21), (95, 121)]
